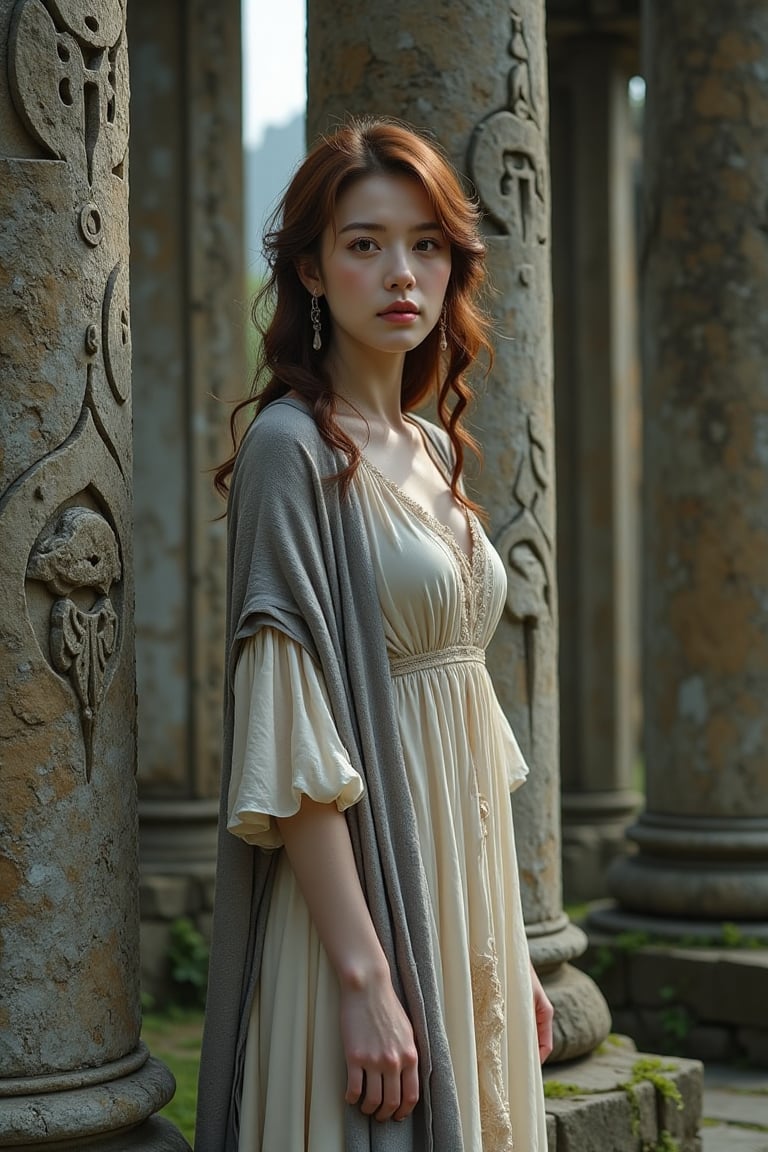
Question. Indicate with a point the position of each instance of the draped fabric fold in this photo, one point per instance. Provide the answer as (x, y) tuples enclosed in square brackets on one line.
[(299, 561)]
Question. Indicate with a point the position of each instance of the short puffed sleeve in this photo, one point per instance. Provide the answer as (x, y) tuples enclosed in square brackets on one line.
[(285, 743)]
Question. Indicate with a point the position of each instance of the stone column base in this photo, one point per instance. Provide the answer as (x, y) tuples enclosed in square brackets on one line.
[(157, 1135), (108, 1115), (709, 1002), (594, 826), (582, 1019)]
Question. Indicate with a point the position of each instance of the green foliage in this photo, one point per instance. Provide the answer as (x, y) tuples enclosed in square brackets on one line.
[(665, 1143), (188, 957), (651, 1069), (556, 1090)]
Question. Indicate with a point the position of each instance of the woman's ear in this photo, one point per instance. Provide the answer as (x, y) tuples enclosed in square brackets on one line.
[(309, 274)]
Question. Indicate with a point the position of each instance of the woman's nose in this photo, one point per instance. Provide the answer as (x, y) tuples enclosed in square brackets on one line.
[(400, 274)]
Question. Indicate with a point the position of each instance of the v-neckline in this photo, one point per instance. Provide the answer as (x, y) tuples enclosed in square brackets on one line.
[(443, 531), (434, 522)]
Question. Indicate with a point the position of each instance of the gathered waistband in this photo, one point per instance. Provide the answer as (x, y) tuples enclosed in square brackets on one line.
[(437, 658)]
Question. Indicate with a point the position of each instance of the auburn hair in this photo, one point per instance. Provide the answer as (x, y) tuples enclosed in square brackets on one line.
[(286, 359)]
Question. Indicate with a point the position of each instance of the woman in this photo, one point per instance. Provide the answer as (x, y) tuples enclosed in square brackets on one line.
[(370, 987)]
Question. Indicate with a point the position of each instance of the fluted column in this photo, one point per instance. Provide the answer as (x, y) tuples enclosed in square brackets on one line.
[(477, 79), (597, 410), (703, 838), (72, 1068), (190, 310)]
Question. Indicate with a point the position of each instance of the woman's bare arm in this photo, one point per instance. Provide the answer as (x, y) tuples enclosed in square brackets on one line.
[(382, 1061)]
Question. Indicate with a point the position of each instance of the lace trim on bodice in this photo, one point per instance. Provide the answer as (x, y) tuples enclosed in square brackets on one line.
[(473, 569)]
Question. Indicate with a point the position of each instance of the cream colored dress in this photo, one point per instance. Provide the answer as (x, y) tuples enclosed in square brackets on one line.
[(440, 610)]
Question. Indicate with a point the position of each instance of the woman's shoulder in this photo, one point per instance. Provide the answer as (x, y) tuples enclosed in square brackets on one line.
[(438, 437), (282, 435)]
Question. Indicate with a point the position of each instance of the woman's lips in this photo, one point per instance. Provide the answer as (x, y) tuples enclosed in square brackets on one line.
[(400, 313)]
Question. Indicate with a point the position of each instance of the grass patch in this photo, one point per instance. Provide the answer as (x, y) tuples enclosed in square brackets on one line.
[(174, 1037)]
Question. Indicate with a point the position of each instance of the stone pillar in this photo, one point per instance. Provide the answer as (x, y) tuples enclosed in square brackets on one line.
[(597, 408), (189, 310), (478, 80), (703, 838), (73, 1070)]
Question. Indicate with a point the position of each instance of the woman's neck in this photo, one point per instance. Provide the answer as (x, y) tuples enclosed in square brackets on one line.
[(370, 386)]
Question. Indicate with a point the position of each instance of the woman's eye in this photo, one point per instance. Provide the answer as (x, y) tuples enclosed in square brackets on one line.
[(427, 244), (363, 245)]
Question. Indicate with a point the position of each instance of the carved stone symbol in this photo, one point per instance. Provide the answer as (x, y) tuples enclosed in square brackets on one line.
[(97, 23), (507, 160), (116, 333), (520, 101), (81, 644), (80, 552), (68, 71), (526, 549), (91, 225)]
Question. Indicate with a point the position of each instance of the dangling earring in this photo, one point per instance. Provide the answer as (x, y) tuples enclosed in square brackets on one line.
[(314, 315), (443, 336)]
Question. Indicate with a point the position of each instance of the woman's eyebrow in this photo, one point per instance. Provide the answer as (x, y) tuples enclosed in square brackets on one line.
[(367, 226)]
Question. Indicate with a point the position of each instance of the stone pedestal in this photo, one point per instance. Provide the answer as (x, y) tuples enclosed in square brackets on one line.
[(597, 408), (703, 838), (72, 1068), (477, 79), (190, 317)]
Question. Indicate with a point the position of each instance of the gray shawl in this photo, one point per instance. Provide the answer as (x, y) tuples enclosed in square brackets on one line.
[(299, 561)]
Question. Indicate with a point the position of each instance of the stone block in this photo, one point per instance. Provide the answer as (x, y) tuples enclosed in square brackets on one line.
[(551, 1133), (754, 1044), (682, 1123), (692, 976), (596, 1123), (167, 897), (742, 988), (594, 1112)]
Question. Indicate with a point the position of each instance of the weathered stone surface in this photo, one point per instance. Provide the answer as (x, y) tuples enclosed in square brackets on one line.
[(70, 1061), (190, 307), (481, 87), (602, 1117), (707, 1003), (597, 414), (190, 312), (84, 1113), (703, 840)]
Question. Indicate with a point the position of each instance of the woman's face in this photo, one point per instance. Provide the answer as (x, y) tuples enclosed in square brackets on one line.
[(384, 265)]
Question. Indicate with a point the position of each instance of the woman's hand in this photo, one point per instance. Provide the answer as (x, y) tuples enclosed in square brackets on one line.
[(544, 1014), (382, 1061)]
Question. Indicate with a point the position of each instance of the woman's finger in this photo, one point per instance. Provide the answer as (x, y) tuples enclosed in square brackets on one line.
[(374, 1092), (409, 1091), (354, 1083)]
